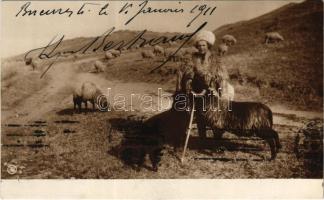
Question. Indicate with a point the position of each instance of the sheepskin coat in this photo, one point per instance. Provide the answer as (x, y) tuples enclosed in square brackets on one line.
[(203, 69)]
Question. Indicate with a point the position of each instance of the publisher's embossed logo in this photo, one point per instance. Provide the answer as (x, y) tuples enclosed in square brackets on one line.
[(13, 169)]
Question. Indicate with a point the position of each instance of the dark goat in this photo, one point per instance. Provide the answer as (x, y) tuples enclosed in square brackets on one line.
[(241, 118), (141, 138)]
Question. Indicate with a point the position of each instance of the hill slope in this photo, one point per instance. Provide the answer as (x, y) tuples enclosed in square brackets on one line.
[(288, 72), (291, 70)]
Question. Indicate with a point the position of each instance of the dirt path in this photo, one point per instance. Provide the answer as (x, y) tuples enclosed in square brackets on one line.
[(130, 96), (64, 77)]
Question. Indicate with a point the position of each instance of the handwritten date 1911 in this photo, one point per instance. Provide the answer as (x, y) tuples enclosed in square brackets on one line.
[(201, 10)]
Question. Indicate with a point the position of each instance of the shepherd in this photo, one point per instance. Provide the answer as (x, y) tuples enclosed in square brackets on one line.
[(206, 69)]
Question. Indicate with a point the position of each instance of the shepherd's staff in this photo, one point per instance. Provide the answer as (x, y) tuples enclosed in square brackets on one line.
[(190, 123), (188, 131)]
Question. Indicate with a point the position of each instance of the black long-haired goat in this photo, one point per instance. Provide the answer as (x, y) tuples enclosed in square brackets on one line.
[(241, 118)]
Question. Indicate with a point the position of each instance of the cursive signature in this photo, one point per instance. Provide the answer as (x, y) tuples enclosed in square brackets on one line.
[(102, 42)]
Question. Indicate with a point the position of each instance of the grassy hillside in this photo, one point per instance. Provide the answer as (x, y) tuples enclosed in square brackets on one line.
[(291, 70)]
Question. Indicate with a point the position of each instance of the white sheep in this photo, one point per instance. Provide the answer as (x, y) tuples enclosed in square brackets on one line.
[(171, 43), (147, 54), (115, 52), (158, 50), (229, 40), (99, 66), (89, 92), (273, 37), (222, 49), (109, 55)]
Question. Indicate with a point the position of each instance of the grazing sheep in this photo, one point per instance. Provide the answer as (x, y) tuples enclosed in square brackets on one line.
[(229, 40), (147, 54), (109, 55), (77, 98), (222, 49), (115, 53), (273, 37), (241, 118), (175, 58), (158, 50), (89, 92), (32, 62), (171, 43), (99, 66)]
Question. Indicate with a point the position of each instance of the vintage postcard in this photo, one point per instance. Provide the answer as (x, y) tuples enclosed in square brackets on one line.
[(162, 99)]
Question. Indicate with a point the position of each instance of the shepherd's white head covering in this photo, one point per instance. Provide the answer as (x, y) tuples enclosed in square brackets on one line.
[(208, 36)]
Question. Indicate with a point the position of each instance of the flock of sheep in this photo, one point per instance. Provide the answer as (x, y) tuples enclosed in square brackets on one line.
[(229, 40), (90, 92), (167, 53)]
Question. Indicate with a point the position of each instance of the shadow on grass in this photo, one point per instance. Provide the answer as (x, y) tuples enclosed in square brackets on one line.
[(71, 111), (229, 159), (142, 137), (222, 145), (67, 111), (136, 143)]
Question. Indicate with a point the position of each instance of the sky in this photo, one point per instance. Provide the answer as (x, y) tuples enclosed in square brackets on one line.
[(21, 33)]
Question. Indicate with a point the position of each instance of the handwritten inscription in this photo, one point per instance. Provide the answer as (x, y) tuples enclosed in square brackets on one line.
[(132, 9)]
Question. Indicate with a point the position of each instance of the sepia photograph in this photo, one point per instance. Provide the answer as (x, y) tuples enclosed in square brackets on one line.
[(171, 90)]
